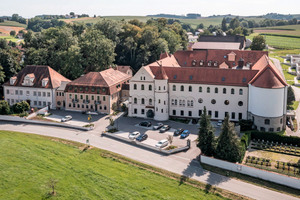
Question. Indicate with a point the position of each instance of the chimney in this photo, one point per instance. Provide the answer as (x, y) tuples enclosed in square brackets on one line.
[(241, 63)]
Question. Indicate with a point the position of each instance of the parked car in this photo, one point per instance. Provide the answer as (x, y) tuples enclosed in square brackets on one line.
[(142, 137), (178, 131), (185, 134), (146, 124), (162, 143), (66, 118), (164, 128), (158, 126), (133, 135), (220, 122), (91, 113)]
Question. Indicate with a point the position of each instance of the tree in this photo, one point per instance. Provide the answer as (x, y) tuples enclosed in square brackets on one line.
[(2, 75), (170, 139), (258, 43), (224, 25), (4, 108), (290, 96), (52, 185), (200, 26), (114, 106), (234, 23), (21, 107), (12, 33), (72, 14), (206, 137), (229, 145)]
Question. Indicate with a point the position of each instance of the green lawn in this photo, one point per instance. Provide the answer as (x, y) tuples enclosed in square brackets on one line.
[(10, 38), (27, 162), (13, 23)]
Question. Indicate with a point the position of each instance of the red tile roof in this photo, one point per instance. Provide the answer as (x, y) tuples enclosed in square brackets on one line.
[(108, 78), (123, 69), (210, 76), (188, 58), (161, 74), (39, 72)]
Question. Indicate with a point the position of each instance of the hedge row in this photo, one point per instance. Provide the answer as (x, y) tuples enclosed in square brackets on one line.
[(280, 35), (275, 137)]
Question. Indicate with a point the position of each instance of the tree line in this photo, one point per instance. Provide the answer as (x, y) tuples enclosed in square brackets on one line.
[(74, 49)]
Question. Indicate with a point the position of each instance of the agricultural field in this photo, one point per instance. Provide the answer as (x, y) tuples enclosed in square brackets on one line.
[(13, 23), (29, 162), (291, 30), (5, 30)]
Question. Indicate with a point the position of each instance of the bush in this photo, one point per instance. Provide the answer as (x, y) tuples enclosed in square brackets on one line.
[(246, 124), (20, 107), (275, 137), (246, 139), (4, 108)]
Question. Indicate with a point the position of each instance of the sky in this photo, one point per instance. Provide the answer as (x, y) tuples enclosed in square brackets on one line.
[(31, 8)]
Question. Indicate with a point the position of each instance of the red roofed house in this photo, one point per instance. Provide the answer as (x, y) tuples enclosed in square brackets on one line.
[(96, 91), (35, 84), (241, 84)]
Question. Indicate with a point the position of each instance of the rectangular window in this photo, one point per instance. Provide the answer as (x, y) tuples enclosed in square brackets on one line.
[(44, 94), (190, 113), (199, 112), (93, 98), (48, 103), (44, 103), (226, 113), (27, 93), (40, 103), (135, 111), (103, 98), (21, 92), (12, 101), (48, 94), (98, 98), (39, 94), (7, 91), (174, 112), (70, 96), (81, 96), (17, 92), (209, 112), (181, 112), (35, 103), (57, 94), (233, 115), (216, 114), (240, 115), (34, 93), (143, 111)]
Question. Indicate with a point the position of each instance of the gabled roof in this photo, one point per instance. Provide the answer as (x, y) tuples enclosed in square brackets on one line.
[(39, 73), (186, 58), (160, 74), (124, 69), (210, 76)]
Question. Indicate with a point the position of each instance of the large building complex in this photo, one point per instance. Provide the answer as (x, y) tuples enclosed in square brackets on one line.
[(35, 84), (241, 84)]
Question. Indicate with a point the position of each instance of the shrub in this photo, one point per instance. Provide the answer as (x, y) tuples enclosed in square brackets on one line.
[(20, 107), (246, 124), (275, 137), (246, 139), (4, 108)]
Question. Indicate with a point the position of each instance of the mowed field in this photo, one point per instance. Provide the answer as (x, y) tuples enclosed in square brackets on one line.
[(291, 30), (5, 30), (28, 162)]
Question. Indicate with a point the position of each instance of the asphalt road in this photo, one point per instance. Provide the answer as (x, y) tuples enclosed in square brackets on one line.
[(181, 163)]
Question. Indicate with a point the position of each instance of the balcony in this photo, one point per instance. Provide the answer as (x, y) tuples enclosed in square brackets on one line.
[(97, 102), (86, 101), (75, 100)]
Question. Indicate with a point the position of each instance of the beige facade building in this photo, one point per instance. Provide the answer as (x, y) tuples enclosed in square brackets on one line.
[(96, 91)]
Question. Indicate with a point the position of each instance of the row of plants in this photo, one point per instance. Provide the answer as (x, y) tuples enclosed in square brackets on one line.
[(278, 148), (258, 161), (275, 137)]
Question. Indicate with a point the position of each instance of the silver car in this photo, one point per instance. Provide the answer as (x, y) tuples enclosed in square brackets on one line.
[(162, 143), (66, 118), (133, 135)]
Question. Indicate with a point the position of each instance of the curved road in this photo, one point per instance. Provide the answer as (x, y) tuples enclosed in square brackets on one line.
[(175, 163)]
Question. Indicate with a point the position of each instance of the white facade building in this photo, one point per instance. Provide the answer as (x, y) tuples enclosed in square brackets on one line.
[(258, 93), (35, 84)]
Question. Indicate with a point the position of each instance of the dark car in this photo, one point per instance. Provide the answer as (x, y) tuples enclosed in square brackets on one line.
[(146, 124), (164, 128), (185, 134), (142, 137), (178, 131)]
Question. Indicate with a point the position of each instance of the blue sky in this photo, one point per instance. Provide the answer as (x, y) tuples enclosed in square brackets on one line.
[(30, 8)]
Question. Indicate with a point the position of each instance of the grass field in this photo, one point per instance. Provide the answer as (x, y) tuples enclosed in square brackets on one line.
[(27, 162), (13, 23), (10, 38)]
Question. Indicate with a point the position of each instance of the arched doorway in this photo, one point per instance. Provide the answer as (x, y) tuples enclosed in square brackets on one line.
[(150, 114)]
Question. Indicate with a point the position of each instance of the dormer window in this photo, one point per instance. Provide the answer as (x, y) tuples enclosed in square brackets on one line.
[(209, 63), (45, 82), (201, 63), (216, 63), (28, 80), (12, 80), (194, 62), (231, 56)]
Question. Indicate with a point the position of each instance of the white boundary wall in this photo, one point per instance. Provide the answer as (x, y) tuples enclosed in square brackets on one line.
[(251, 171)]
